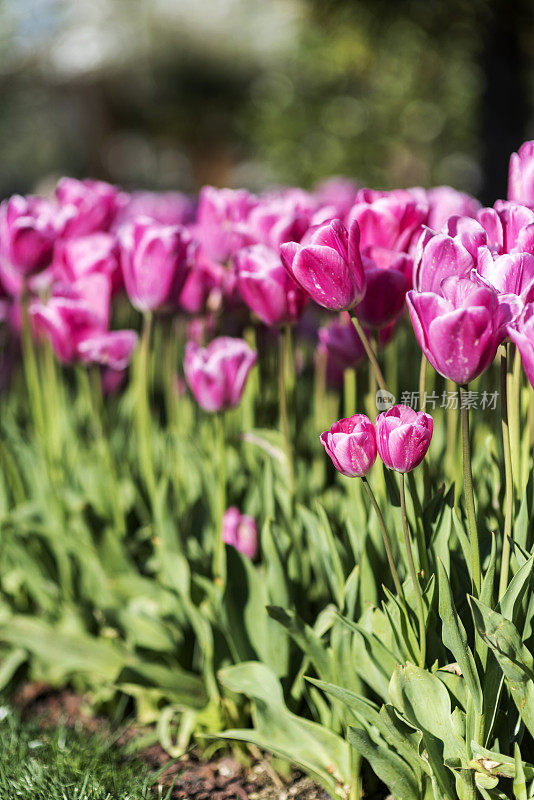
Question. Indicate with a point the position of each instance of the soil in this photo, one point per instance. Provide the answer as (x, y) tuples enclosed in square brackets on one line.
[(192, 778)]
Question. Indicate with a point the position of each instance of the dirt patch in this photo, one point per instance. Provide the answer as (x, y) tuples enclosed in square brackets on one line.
[(191, 778)]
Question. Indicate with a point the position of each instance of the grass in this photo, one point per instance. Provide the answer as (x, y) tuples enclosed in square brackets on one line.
[(60, 763)]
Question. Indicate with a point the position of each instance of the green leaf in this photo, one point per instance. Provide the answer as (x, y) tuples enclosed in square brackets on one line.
[(519, 785), (510, 603), (389, 767), (455, 638), (308, 641), (514, 659), (497, 764)]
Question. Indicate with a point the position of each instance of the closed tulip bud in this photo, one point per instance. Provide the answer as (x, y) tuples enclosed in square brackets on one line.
[(521, 332), (342, 344), (459, 331), (217, 373), (327, 265), (391, 220), (403, 437), (266, 287), (521, 175), (87, 206), (154, 262), (28, 229), (442, 255), (351, 444), (240, 531)]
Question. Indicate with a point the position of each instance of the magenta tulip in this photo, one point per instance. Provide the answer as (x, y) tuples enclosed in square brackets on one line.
[(98, 252), (240, 531), (458, 331), (167, 208), (508, 274), (342, 344), (443, 255), (87, 206), (445, 202), (221, 225), (521, 175), (509, 227), (387, 283), (327, 265), (28, 229), (109, 349), (351, 444), (154, 261), (521, 332), (266, 287), (403, 437), (217, 373), (391, 220)]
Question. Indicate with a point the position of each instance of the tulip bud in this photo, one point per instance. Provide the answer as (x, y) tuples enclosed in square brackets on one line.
[(97, 252), (266, 287), (403, 437), (217, 374), (327, 265), (28, 228), (460, 330), (154, 263), (240, 531), (109, 349), (351, 444), (521, 175)]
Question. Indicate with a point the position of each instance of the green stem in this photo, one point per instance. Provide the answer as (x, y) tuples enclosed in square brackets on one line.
[(514, 411), (387, 541), (219, 553), (422, 382), (468, 491), (142, 407), (283, 406), (369, 350), (413, 575), (420, 532), (452, 436), (349, 392), (31, 370), (509, 496)]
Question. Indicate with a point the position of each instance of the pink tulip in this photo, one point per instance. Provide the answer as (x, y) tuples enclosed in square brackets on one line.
[(442, 255), (327, 265), (87, 206), (221, 221), (98, 252), (217, 374), (444, 202), (458, 331), (282, 216), (337, 193), (507, 274), (109, 349), (167, 208), (240, 531), (28, 229), (521, 332), (154, 262), (509, 227), (403, 437), (203, 285), (351, 444), (391, 220), (266, 287), (521, 175)]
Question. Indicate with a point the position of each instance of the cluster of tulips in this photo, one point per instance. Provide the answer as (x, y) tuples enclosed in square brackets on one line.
[(102, 277)]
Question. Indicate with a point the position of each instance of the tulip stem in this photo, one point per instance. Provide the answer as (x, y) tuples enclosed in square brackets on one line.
[(349, 392), (509, 496), (387, 541), (369, 350), (31, 370), (515, 419), (219, 552), (468, 491), (420, 531), (413, 575), (284, 354), (422, 382), (142, 407)]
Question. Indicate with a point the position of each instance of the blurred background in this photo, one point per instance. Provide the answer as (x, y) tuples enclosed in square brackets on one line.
[(177, 93)]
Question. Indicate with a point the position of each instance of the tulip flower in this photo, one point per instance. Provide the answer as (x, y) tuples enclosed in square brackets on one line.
[(521, 175), (509, 274), (84, 255), (28, 229), (521, 332), (387, 283), (342, 344), (509, 227), (280, 217), (109, 349), (266, 287), (442, 255), (403, 437), (458, 331), (167, 208), (86, 206), (217, 374), (391, 220), (351, 444), (444, 202), (327, 265), (154, 261), (221, 221), (240, 531)]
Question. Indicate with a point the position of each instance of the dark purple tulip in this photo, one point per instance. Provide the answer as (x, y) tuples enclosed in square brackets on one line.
[(403, 437)]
